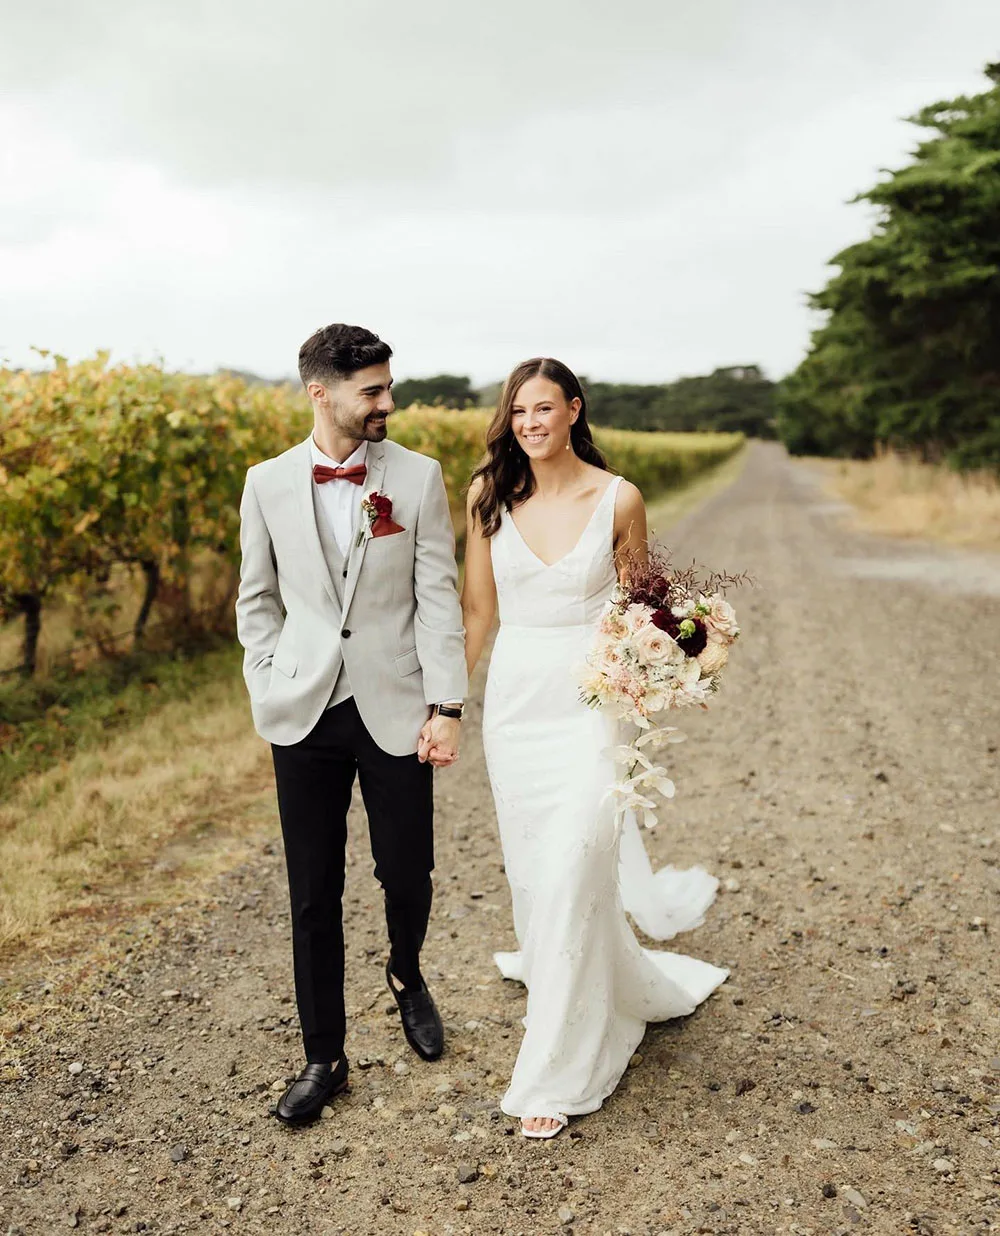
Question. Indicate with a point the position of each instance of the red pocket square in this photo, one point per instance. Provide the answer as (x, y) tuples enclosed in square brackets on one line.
[(385, 525)]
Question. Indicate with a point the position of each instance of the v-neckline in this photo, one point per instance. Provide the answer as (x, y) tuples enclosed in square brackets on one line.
[(579, 540)]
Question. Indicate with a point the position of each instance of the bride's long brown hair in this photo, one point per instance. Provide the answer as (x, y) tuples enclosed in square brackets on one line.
[(505, 474)]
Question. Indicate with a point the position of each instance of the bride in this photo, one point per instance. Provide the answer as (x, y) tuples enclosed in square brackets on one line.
[(549, 528)]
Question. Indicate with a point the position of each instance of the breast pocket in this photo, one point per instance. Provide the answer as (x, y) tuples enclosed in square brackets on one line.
[(387, 573), (394, 542)]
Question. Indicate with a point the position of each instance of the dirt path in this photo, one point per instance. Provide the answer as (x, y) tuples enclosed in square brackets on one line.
[(847, 1078)]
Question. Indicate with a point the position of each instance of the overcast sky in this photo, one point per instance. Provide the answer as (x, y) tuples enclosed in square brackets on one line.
[(642, 188)]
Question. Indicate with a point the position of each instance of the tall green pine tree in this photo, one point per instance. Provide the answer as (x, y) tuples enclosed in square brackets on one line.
[(909, 354)]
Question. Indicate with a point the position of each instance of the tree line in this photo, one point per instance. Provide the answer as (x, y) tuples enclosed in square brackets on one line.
[(908, 353), (737, 399)]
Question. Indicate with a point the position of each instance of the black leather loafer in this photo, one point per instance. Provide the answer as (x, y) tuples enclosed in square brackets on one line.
[(421, 1020), (314, 1087)]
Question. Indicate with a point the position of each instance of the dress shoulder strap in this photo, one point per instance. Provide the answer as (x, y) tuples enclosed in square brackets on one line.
[(602, 522), (610, 496)]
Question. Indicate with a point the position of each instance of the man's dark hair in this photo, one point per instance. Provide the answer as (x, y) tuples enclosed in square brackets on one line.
[(337, 351)]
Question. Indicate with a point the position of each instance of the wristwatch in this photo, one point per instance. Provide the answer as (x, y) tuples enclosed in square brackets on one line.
[(453, 710)]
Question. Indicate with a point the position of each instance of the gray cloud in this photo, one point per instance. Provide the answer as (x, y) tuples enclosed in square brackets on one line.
[(644, 188)]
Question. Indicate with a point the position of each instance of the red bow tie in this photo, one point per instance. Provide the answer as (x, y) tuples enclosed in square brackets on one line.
[(355, 475)]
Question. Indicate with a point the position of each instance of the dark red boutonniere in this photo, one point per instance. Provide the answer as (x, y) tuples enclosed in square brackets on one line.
[(377, 508)]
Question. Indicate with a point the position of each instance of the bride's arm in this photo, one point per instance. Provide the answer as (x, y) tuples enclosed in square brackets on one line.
[(479, 593), (631, 532)]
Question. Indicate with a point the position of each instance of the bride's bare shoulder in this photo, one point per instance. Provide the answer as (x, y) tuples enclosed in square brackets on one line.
[(629, 503), (629, 494)]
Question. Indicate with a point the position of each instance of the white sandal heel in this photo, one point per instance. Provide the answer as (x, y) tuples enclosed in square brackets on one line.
[(544, 1133)]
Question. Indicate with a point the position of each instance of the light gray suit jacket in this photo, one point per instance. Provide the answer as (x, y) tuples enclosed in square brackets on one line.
[(394, 620)]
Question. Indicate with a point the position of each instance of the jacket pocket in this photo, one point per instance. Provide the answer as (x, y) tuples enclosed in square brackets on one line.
[(285, 661), (391, 541), (407, 663)]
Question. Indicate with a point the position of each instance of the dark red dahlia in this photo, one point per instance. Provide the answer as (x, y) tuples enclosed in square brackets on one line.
[(696, 641), (665, 620)]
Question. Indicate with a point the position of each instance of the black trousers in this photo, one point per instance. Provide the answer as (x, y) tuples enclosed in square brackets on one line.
[(314, 779)]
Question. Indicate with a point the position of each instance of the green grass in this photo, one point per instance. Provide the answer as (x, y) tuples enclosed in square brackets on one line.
[(45, 720)]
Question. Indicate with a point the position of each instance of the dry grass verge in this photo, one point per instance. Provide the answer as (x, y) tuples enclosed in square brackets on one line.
[(903, 497), (117, 825)]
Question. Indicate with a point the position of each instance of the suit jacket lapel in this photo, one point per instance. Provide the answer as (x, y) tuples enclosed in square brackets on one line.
[(302, 486), (376, 472)]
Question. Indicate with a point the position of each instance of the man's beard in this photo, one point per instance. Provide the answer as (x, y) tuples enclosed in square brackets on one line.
[(373, 429)]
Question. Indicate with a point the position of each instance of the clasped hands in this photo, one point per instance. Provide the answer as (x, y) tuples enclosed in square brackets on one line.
[(439, 740)]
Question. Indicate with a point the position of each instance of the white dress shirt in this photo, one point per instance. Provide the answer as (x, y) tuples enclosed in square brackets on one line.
[(340, 501)]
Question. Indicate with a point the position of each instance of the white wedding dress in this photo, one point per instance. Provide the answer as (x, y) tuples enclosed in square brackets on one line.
[(591, 988)]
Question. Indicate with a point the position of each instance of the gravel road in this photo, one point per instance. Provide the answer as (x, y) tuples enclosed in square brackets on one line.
[(845, 1079)]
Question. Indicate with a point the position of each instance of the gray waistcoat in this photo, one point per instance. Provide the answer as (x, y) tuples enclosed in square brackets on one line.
[(337, 563)]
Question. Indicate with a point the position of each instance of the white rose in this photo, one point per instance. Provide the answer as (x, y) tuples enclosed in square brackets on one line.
[(636, 617), (720, 620), (614, 624), (607, 650), (655, 647)]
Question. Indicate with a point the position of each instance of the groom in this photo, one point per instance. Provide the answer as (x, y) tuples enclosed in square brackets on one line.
[(355, 665)]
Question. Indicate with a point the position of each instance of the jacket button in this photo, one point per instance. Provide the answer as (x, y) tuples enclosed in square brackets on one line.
[(346, 633), (345, 572)]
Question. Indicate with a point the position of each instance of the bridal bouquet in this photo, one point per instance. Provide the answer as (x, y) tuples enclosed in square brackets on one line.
[(662, 644)]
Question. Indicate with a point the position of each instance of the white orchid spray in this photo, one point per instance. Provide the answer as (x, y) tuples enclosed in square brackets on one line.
[(630, 792)]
